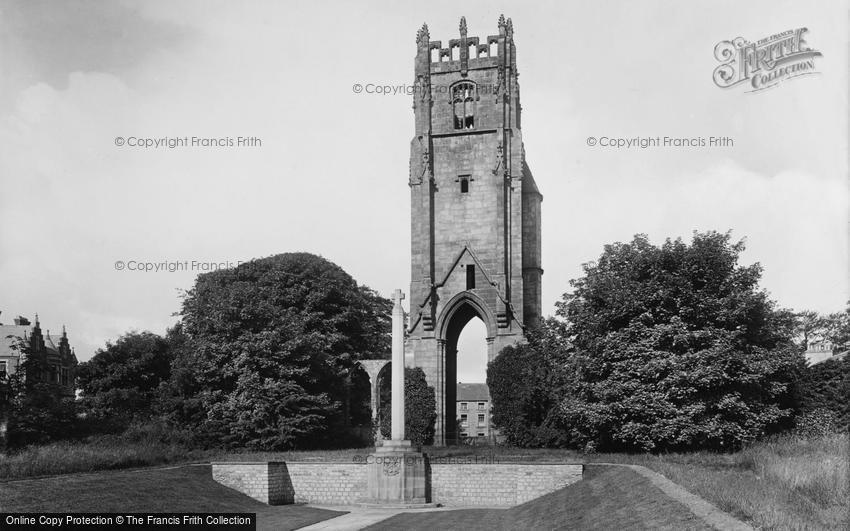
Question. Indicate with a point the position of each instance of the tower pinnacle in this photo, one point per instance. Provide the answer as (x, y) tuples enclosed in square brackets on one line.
[(422, 36)]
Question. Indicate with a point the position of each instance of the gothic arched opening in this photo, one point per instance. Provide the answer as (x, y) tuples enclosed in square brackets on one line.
[(457, 323)]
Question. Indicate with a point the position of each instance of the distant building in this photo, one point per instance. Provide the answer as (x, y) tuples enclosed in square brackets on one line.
[(473, 409), (819, 351), (60, 359)]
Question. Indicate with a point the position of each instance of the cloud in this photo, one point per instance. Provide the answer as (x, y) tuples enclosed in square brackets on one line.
[(794, 224)]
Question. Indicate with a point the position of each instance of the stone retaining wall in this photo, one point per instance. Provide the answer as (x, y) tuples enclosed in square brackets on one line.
[(328, 483), (263, 481), (491, 484), (279, 483), (451, 485)]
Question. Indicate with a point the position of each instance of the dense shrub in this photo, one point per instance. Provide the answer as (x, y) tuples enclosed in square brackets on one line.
[(816, 423), (825, 387), (119, 384), (420, 408), (522, 388)]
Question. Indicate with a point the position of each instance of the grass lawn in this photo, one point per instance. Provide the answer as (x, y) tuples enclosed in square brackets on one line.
[(607, 498), (183, 489)]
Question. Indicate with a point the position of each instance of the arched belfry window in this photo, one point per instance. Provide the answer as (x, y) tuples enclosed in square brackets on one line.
[(463, 105)]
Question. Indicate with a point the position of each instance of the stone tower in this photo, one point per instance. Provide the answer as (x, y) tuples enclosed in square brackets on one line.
[(475, 208)]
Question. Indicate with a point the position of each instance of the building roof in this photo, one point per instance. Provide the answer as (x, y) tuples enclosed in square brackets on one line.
[(472, 392), (48, 342), (6, 343), (10, 333)]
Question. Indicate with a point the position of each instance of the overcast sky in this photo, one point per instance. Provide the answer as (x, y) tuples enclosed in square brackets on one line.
[(331, 174)]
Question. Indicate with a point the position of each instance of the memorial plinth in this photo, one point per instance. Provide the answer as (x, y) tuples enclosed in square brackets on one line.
[(396, 475)]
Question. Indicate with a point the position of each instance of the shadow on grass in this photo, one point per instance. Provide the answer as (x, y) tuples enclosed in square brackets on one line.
[(181, 489), (607, 498)]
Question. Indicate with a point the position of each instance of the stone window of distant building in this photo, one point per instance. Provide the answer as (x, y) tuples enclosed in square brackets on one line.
[(464, 184), (463, 105), (481, 434), (463, 406), (481, 406), (64, 374), (470, 276), (463, 421), (481, 421), (3, 368)]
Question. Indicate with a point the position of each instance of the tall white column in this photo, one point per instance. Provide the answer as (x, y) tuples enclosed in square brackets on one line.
[(398, 368)]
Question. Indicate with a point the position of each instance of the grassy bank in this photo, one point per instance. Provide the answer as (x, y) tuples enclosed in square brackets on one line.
[(785, 483), (607, 498), (99, 454)]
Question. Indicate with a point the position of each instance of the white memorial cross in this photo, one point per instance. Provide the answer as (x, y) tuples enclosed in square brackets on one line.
[(397, 403)]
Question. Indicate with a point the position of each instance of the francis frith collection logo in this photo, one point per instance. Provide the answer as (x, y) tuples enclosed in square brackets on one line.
[(765, 63)]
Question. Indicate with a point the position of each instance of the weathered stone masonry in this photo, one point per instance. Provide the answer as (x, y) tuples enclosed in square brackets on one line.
[(469, 485), (475, 208), (279, 483), (451, 485)]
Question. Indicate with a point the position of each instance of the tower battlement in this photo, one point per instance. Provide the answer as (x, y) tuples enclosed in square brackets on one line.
[(465, 52)]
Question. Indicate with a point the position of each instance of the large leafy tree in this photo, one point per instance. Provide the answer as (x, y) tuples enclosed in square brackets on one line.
[(119, 384), (676, 347), (272, 341)]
